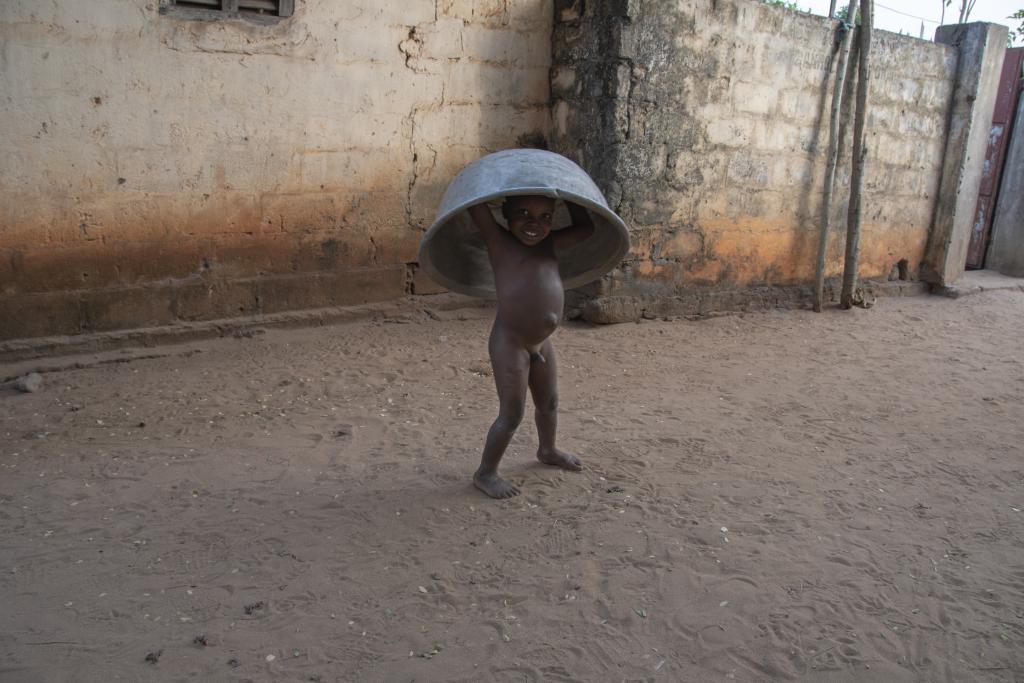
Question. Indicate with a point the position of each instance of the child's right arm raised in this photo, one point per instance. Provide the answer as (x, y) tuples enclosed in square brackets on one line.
[(485, 223)]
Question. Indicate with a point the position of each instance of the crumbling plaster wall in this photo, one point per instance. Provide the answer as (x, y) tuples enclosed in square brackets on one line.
[(706, 122), (157, 168)]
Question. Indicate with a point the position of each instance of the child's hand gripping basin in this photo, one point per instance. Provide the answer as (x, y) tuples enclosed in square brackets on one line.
[(453, 253)]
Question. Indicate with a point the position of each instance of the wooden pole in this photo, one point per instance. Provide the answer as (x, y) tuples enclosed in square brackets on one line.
[(846, 299), (833, 156), (832, 9), (965, 10)]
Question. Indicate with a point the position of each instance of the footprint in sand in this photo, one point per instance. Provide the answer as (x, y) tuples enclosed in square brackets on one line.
[(342, 432)]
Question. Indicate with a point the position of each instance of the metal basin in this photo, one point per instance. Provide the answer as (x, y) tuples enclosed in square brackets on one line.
[(454, 255)]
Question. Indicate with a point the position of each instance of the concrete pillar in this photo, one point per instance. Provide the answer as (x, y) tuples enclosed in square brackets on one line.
[(1006, 252), (981, 48)]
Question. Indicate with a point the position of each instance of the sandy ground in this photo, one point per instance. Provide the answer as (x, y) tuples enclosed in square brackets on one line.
[(772, 496)]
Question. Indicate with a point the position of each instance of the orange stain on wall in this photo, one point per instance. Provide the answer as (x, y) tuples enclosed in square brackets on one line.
[(764, 252)]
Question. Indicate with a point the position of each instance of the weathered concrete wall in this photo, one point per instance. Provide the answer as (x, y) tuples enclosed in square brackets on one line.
[(1006, 252), (981, 48), (156, 168), (706, 122)]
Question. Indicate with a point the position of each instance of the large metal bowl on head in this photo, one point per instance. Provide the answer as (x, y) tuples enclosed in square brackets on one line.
[(453, 253)]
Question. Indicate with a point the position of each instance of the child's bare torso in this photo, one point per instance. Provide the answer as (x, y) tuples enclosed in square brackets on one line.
[(529, 288)]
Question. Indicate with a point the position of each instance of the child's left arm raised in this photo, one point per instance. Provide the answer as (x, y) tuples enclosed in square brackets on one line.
[(582, 227)]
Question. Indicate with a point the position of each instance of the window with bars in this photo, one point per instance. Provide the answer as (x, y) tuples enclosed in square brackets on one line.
[(243, 8)]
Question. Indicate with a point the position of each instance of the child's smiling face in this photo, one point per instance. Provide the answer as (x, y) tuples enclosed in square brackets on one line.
[(529, 217)]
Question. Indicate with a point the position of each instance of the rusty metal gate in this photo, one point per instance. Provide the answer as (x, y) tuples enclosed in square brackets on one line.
[(995, 155)]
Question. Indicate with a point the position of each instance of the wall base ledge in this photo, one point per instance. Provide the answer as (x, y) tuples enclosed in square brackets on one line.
[(706, 302), (403, 310)]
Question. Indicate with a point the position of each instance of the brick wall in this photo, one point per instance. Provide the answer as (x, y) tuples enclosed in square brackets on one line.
[(706, 122)]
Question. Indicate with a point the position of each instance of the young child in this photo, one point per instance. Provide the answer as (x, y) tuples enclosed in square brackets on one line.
[(530, 298)]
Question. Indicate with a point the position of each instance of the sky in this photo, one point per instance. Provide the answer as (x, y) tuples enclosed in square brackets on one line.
[(890, 15)]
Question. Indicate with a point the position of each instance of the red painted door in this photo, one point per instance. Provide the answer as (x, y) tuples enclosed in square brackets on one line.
[(995, 155)]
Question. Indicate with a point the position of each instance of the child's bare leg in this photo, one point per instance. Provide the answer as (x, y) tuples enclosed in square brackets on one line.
[(544, 388), (511, 364)]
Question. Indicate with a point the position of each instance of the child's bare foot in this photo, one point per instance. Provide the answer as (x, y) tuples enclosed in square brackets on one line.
[(494, 486), (557, 458)]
